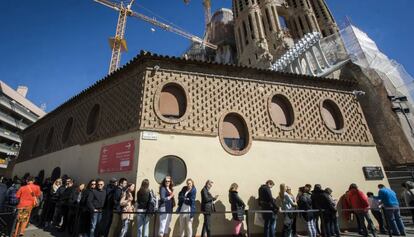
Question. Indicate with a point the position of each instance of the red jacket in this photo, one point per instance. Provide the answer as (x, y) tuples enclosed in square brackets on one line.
[(358, 200)]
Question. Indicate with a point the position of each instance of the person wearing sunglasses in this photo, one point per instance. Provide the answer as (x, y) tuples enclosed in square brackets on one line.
[(166, 205), (95, 203)]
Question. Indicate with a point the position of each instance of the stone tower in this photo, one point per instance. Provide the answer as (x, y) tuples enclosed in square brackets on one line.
[(324, 17), (265, 29)]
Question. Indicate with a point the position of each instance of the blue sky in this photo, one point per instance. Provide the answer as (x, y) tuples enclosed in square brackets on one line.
[(58, 48)]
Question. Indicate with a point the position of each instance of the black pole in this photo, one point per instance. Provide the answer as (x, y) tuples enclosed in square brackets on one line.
[(246, 212), (154, 226)]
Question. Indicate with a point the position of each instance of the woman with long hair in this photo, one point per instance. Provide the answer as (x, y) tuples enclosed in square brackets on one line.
[(126, 203), (166, 205), (141, 206), (287, 203), (237, 207), (186, 204), (53, 199), (84, 219)]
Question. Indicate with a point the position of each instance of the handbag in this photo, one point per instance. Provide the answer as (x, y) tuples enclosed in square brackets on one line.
[(36, 201)]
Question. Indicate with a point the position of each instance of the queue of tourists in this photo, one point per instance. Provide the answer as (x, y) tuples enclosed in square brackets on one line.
[(99, 209)]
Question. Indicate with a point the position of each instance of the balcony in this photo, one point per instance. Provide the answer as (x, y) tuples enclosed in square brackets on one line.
[(12, 121), (19, 109), (9, 135), (9, 150)]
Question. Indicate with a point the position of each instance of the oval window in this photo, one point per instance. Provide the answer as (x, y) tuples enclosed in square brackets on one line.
[(35, 144), (49, 138), (170, 166), (93, 119), (67, 130), (234, 134), (281, 111), (172, 101), (332, 115)]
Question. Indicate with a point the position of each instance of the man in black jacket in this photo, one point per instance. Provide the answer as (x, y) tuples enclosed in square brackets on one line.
[(66, 204), (108, 210), (95, 204), (321, 201), (207, 206), (114, 227), (305, 203), (268, 203)]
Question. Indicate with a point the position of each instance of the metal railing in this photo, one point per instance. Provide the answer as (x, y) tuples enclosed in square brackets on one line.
[(21, 110), (8, 218)]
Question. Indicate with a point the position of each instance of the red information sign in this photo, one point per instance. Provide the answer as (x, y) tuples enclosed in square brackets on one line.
[(117, 157)]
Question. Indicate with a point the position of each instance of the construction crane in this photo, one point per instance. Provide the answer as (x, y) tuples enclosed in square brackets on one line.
[(118, 43), (207, 14)]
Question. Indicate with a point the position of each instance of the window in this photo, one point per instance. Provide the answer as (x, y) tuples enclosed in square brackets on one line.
[(172, 101), (240, 5), (67, 130), (332, 115), (93, 119), (35, 144), (234, 134), (172, 166), (49, 138), (281, 111), (245, 33)]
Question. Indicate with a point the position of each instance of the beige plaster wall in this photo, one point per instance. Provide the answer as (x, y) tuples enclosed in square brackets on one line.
[(332, 166), (80, 161)]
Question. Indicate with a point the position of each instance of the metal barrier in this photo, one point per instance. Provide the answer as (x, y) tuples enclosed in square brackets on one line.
[(8, 218), (248, 214)]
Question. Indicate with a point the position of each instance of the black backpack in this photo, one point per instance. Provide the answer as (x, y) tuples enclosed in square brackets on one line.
[(152, 203)]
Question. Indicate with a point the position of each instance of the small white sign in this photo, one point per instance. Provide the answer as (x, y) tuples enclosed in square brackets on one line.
[(149, 135)]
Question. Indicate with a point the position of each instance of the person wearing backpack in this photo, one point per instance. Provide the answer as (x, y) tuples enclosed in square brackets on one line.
[(143, 205), (28, 196), (408, 196), (12, 200)]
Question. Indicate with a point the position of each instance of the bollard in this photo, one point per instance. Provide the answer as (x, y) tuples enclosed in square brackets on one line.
[(246, 212)]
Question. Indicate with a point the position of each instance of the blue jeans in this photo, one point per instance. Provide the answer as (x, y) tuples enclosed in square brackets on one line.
[(96, 218), (270, 225), (143, 225), (394, 219), (124, 230)]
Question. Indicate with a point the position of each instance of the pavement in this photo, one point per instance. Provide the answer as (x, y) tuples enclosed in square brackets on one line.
[(33, 231)]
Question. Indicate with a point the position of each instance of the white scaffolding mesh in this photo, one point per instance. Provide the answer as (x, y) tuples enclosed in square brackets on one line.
[(364, 52)]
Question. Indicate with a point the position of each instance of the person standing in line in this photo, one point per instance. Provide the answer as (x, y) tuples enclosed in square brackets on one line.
[(186, 203), (237, 207), (305, 203), (408, 196), (268, 203), (96, 203), (207, 207), (12, 200), (321, 201), (116, 222), (3, 191), (359, 201), (85, 216), (166, 205), (392, 209), (333, 221), (295, 199), (67, 203), (142, 207), (376, 205), (127, 206), (28, 198), (287, 204), (108, 210), (57, 215)]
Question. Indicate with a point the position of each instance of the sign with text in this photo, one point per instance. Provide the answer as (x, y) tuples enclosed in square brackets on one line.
[(373, 173), (117, 157)]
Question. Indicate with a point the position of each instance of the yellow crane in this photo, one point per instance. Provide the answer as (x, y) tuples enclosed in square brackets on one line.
[(118, 43), (207, 14)]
